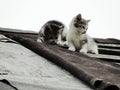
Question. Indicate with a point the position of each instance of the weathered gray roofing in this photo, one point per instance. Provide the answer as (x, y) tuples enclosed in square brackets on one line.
[(101, 72), (26, 70)]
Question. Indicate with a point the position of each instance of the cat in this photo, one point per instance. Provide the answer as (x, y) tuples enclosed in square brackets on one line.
[(53, 32), (77, 39)]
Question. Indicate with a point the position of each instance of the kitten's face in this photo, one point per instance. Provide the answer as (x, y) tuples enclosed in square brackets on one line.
[(52, 30), (81, 24)]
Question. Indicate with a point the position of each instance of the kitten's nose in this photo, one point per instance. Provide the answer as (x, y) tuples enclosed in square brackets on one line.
[(61, 27)]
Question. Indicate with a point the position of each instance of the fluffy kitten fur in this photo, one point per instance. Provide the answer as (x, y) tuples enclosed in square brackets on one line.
[(52, 31), (77, 37)]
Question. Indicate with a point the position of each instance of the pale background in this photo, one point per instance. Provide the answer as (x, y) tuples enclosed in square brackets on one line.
[(32, 14)]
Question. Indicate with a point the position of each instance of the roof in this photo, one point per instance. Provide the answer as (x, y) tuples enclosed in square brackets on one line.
[(97, 71), (25, 70)]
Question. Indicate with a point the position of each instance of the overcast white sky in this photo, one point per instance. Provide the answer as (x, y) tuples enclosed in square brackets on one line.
[(32, 14)]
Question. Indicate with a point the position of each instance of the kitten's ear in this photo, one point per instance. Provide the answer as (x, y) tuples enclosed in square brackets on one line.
[(79, 17), (88, 21)]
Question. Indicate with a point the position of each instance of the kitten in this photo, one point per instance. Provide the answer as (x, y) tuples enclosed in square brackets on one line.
[(77, 37), (52, 32)]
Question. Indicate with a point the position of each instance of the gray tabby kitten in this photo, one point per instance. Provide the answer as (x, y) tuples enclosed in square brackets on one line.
[(77, 37), (53, 32)]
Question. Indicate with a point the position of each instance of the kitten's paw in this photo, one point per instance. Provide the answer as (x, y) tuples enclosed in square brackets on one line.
[(83, 51), (71, 48), (94, 52), (62, 43), (65, 44)]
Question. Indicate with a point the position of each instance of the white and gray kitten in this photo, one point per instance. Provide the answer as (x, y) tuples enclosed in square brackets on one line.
[(77, 39), (53, 31)]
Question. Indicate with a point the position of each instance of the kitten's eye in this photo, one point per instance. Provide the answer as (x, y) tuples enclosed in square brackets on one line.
[(83, 27)]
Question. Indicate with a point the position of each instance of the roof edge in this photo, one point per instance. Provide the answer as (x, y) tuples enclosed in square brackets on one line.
[(17, 30)]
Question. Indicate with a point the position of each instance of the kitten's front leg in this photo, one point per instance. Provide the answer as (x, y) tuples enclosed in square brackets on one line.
[(94, 49), (60, 41), (84, 49), (71, 47)]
